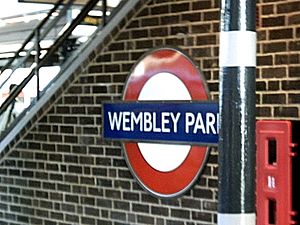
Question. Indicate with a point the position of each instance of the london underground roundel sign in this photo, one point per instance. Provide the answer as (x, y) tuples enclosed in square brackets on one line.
[(160, 126)]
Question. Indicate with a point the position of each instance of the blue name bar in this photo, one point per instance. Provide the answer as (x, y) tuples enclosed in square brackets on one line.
[(163, 122)]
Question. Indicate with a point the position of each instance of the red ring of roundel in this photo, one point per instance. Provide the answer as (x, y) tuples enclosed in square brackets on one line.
[(173, 183)]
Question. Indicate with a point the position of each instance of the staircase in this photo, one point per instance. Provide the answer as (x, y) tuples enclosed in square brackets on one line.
[(44, 69)]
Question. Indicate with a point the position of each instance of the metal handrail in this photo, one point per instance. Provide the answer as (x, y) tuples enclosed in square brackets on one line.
[(36, 32), (27, 40), (16, 91)]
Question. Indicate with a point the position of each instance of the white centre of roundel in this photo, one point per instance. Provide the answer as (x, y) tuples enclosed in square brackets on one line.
[(164, 157)]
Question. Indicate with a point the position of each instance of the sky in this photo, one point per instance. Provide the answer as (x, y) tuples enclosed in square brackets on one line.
[(13, 7)]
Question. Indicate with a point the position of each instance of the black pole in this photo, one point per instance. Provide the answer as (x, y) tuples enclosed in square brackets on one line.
[(237, 113)]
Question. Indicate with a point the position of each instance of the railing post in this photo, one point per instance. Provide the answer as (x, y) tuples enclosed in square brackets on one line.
[(104, 9), (37, 61)]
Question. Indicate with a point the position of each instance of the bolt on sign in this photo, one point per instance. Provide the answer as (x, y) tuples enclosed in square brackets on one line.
[(165, 122)]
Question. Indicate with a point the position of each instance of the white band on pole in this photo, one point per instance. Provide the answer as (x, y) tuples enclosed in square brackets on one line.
[(236, 219), (237, 48)]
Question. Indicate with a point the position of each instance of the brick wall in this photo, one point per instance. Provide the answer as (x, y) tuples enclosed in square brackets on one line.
[(60, 171), (278, 70)]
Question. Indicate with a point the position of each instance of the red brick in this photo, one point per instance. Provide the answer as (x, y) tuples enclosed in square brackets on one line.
[(273, 21), (281, 34)]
